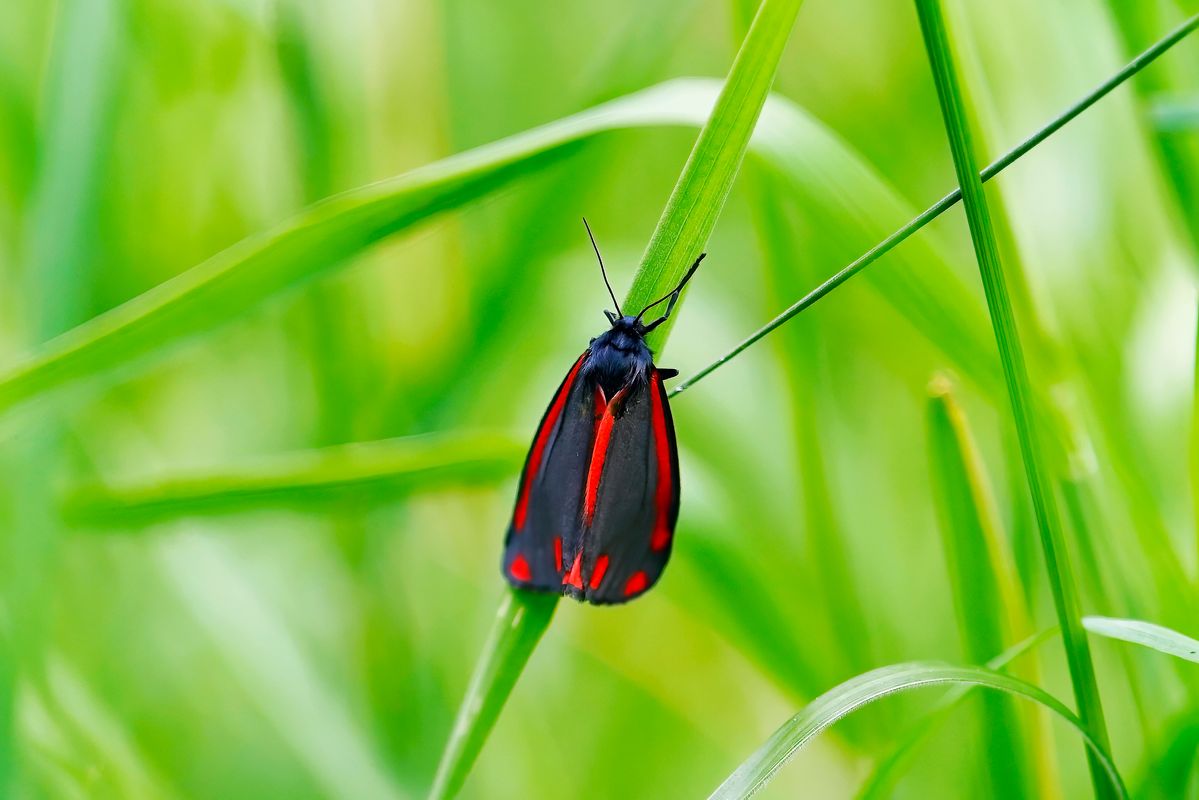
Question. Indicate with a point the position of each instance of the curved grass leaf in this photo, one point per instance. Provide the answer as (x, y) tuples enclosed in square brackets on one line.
[(753, 775), (375, 469), (240, 277), (882, 780), (1020, 391), (683, 229), (1156, 637)]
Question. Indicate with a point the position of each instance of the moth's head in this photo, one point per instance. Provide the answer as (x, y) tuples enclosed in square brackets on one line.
[(626, 323)]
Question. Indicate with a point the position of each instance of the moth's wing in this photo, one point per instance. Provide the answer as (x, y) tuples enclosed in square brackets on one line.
[(636, 503), (545, 523)]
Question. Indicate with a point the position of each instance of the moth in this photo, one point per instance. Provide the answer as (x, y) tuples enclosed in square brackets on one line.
[(599, 494)]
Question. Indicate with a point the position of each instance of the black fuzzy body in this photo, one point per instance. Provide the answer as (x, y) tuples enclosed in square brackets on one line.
[(619, 357)]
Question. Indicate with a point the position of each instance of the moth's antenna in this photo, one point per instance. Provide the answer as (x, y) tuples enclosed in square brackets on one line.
[(675, 292), (603, 271)]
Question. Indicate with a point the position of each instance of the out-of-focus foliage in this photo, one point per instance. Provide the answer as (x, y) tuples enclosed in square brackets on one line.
[(314, 640)]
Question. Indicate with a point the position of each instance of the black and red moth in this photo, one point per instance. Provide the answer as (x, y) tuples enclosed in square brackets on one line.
[(599, 494)]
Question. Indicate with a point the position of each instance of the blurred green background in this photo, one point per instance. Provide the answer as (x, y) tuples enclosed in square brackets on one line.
[(196, 606)]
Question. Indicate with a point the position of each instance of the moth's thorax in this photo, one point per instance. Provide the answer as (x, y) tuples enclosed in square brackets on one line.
[(619, 356)]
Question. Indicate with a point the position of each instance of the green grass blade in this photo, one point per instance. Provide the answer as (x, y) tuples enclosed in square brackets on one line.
[(374, 470), (989, 608), (753, 775), (318, 158), (74, 132), (1057, 559), (881, 783), (1144, 59), (1156, 637), (701, 191), (681, 233), (522, 618)]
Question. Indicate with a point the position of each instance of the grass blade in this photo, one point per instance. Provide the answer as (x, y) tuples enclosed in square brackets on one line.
[(881, 782), (1057, 559), (1156, 637), (680, 235), (522, 618), (989, 608), (73, 136), (753, 775), (374, 469), (707, 177), (1144, 59)]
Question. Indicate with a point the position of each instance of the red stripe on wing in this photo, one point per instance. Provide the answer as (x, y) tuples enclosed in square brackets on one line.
[(543, 435), (575, 576), (597, 574), (603, 435), (664, 492)]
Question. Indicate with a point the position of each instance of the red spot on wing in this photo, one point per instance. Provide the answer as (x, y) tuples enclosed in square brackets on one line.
[(663, 493), (558, 553), (575, 578), (520, 569), (543, 435), (597, 575), (636, 583), (599, 452)]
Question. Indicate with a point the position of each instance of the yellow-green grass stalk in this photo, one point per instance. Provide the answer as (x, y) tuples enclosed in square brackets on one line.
[(991, 613), (888, 770)]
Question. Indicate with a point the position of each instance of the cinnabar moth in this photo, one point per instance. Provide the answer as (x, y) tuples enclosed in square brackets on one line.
[(599, 494)]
